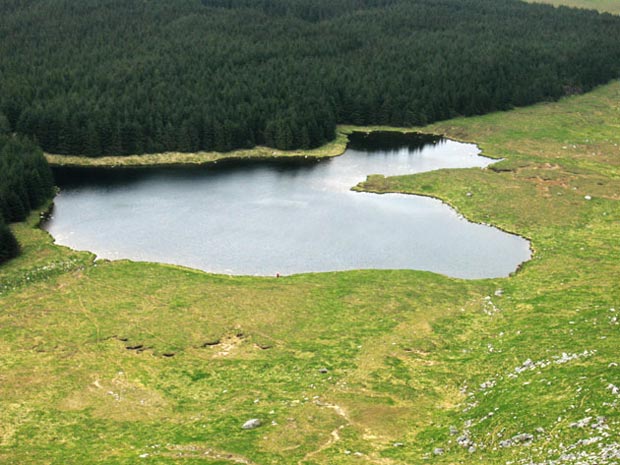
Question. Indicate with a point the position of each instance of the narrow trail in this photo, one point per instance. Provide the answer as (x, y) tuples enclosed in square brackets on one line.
[(334, 436)]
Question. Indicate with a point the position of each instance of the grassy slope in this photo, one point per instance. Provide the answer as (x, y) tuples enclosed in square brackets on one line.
[(610, 6), (406, 351)]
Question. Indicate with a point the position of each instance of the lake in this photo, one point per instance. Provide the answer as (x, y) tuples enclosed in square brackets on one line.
[(286, 217)]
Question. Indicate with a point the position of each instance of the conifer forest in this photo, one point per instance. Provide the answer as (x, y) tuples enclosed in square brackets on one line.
[(110, 77)]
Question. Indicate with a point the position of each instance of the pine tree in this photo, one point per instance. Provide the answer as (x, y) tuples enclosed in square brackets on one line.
[(9, 247), (5, 127)]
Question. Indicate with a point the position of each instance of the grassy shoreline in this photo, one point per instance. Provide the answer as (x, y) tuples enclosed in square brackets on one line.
[(331, 149), (167, 159)]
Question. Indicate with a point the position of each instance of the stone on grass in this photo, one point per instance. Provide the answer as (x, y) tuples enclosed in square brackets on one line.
[(251, 424), (522, 438), (464, 441)]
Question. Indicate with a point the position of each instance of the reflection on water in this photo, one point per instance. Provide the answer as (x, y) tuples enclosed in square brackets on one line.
[(287, 217)]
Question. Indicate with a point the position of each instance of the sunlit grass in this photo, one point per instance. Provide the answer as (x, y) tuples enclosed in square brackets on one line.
[(609, 6), (334, 148)]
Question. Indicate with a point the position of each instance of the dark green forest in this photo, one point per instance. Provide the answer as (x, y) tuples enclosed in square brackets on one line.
[(97, 77), (25, 183)]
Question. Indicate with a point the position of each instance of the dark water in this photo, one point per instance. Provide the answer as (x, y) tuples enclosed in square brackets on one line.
[(291, 217)]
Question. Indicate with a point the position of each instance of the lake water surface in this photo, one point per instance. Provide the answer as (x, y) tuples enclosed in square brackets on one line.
[(289, 217)]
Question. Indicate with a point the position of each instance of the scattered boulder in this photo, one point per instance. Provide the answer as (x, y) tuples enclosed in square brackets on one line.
[(600, 424), (522, 438), (251, 424), (464, 441), (527, 365), (438, 451), (581, 423), (519, 439), (323, 370)]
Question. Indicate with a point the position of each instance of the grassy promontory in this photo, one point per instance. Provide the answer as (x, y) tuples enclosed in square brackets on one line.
[(123, 362), (332, 149)]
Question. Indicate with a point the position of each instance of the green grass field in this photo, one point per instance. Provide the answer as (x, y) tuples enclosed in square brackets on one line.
[(125, 363)]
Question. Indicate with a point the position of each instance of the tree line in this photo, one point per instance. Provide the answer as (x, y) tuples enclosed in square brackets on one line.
[(25, 183), (97, 77)]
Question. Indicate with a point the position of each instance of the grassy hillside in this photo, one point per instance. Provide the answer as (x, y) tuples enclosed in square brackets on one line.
[(121, 362), (610, 6)]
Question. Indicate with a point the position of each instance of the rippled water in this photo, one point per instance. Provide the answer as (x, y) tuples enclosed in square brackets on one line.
[(290, 217)]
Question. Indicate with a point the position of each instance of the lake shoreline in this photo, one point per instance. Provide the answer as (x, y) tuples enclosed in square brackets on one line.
[(332, 149), (368, 188), (273, 194)]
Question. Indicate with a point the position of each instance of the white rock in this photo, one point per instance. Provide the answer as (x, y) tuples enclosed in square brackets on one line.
[(251, 424)]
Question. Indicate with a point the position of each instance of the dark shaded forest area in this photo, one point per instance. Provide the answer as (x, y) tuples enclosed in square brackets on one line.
[(100, 77), (25, 183)]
